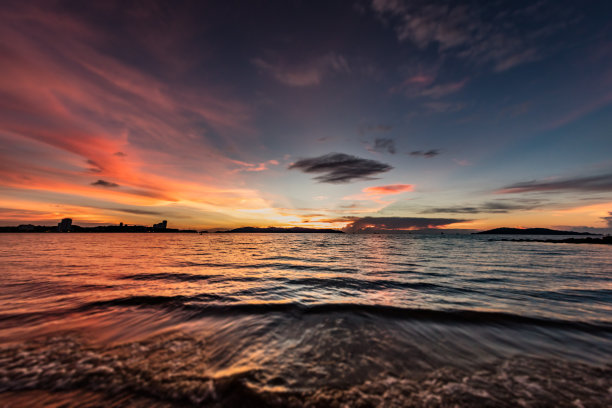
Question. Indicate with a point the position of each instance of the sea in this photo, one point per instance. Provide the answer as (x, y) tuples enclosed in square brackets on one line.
[(303, 320)]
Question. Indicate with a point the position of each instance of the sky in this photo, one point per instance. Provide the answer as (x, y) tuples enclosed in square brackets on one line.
[(381, 114)]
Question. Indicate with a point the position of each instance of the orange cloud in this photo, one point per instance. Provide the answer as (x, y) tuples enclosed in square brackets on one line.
[(388, 189), (71, 114)]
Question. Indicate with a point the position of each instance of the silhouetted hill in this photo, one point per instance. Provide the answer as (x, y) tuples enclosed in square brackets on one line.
[(530, 231), (293, 230)]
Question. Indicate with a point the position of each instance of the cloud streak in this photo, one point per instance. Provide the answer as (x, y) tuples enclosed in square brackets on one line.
[(337, 168), (135, 211), (492, 207), (599, 183)]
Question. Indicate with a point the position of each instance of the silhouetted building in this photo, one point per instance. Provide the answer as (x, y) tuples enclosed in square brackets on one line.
[(25, 227), (65, 225), (161, 226)]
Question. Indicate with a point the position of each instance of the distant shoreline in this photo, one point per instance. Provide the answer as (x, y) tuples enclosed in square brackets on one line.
[(75, 229), (103, 232)]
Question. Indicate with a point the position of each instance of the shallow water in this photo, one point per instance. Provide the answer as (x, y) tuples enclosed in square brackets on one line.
[(303, 320)]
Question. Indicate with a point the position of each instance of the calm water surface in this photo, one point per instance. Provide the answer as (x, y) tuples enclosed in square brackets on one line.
[(303, 320)]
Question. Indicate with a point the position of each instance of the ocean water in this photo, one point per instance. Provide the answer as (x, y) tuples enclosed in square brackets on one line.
[(316, 320)]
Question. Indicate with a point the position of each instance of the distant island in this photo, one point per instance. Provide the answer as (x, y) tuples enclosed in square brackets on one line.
[(277, 230), (530, 231), (607, 240)]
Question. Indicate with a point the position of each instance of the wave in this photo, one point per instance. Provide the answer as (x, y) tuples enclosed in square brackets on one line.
[(179, 277), (208, 304), (271, 265), (211, 305), (362, 284), (334, 282)]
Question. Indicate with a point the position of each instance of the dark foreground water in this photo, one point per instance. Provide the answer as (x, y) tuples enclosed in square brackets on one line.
[(161, 320)]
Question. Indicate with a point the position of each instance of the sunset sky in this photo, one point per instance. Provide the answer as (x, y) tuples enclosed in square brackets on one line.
[(383, 113)]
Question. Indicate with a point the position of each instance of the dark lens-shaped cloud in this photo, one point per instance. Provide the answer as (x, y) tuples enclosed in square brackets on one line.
[(428, 154), (593, 183), (340, 168), (104, 183), (398, 223)]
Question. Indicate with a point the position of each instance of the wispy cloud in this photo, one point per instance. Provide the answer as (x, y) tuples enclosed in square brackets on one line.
[(481, 35), (340, 168)]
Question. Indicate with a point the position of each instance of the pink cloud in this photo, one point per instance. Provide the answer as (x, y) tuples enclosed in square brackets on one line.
[(419, 79), (423, 85), (254, 167), (389, 189), (462, 162)]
